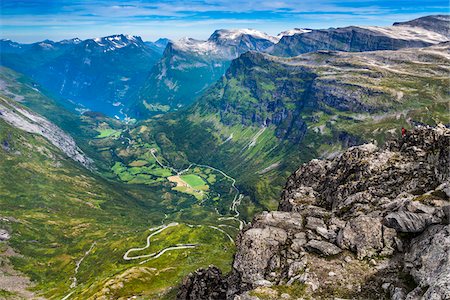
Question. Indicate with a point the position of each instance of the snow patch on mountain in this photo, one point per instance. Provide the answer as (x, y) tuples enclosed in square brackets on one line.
[(233, 34), (114, 42), (223, 42), (293, 31), (408, 33), (197, 46)]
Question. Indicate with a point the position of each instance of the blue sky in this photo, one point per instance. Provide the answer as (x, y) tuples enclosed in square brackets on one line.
[(34, 20)]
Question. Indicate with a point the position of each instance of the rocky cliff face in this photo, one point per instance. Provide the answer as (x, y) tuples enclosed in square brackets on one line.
[(28, 121), (369, 224)]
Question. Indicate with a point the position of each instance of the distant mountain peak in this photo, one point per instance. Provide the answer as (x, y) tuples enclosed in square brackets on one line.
[(435, 23), (293, 31), (193, 45), (117, 41), (162, 42), (233, 34), (46, 44), (73, 41)]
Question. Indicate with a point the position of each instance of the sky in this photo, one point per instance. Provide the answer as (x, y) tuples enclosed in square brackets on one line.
[(36, 20)]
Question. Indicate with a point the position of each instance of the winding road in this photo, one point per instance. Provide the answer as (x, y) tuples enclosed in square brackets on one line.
[(159, 229), (156, 230)]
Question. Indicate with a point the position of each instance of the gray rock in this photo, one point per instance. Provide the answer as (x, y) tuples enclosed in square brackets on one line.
[(397, 293), (417, 207), (389, 241), (404, 221), (262, 282), (256, 247), (314, 223), (292, 222), (299, 242), (203, 284), (4, 235), (362, 235), (429, 262), (323, 248), (297, 267), (329, 235)]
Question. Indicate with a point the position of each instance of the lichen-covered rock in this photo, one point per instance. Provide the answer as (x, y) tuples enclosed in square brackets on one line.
[(204, 284), (363, 235), (256, 247), (323, 248), (428, 261)]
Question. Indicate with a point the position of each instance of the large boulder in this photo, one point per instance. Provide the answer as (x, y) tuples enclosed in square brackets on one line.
[(428, 261), (256, 248), (404, 221), (363, 235)]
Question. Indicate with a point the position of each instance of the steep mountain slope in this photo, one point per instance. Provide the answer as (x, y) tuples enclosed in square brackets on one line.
[(189, 66), (51, 208), (30, 122), (254, 122), (369, 224), (101, 74), (421, 32)]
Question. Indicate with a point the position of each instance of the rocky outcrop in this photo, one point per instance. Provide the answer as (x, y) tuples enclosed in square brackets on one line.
[(428, 261), (369, 224), (19, 117), (204, 284)]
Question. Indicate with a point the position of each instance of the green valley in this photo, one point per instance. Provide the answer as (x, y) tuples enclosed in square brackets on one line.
[(70, 228)]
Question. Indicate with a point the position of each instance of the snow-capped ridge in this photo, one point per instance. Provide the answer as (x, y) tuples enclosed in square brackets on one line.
[(117, 41), (193, 45), (406, 32), (233, 34), (74, 41), (293, 31)]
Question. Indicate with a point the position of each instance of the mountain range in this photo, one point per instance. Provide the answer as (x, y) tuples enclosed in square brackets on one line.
[(168, 75), (98, 74)]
